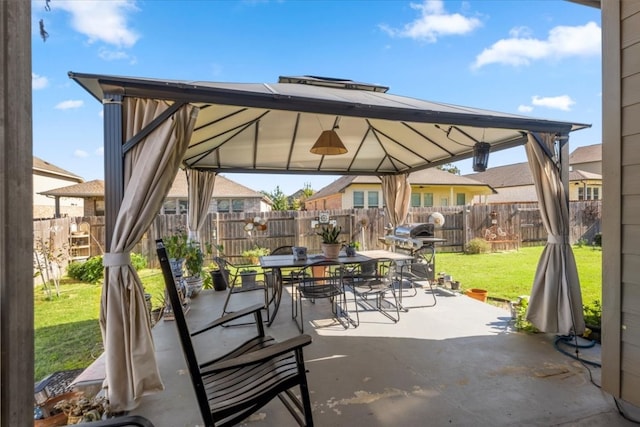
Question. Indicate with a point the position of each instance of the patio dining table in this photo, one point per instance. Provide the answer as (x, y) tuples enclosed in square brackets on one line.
[(275, 263)]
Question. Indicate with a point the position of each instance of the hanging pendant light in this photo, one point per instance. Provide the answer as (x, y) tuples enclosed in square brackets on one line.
[(328, 144), (481, 156)]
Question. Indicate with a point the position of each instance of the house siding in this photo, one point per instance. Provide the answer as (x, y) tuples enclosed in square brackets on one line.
[(621, 210)]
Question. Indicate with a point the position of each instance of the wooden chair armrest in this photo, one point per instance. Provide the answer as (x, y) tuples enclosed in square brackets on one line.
[(229, 317), (260, 355)]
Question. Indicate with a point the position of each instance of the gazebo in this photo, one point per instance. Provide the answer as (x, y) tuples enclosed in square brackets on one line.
[(304, 124)]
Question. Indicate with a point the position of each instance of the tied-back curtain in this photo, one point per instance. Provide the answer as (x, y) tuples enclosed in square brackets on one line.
[(555, 304), (149, 169), (201, 185), (397, 196)]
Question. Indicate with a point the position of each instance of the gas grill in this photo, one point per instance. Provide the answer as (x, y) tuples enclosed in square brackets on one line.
[(417, 239)]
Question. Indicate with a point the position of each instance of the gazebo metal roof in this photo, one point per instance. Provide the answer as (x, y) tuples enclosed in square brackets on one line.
[(270, 127)]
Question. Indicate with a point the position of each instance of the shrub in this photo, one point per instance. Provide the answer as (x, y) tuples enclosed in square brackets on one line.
[(477, 246), (521, 323), (597, 239), (593, 313), (92, 270), (138, 261)]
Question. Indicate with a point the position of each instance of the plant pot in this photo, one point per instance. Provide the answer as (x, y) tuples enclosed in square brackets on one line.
[(331, 250), (479, 294), (248, 279), (219, 284), (194, 285), (176, 266)]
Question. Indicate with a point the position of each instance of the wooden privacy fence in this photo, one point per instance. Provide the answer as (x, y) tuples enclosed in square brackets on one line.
[(521, 222)]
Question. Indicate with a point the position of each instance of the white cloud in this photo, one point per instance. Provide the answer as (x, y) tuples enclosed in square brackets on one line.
[(38, 82), (562, 102), (69, 104), (562, 42), (433, 22), (100, 151), (80, 154), (112, 55), (104, 21), (525, 108)]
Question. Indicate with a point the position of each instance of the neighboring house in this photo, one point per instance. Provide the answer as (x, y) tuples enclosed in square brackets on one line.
[(588, 159), (47, 176), (228, 196), (91, 192), (514, 184), (429, 187)]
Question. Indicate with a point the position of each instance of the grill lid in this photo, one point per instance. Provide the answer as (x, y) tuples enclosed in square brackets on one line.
[(414, 231)]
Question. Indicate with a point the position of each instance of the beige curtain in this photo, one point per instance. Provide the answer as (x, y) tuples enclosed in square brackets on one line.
[(555, 304), (397, 196), (200, 191), (150, 167)]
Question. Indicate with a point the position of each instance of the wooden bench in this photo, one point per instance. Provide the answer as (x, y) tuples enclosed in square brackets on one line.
[(501, 240)]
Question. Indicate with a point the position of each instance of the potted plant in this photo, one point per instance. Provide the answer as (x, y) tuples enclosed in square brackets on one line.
[(217, 274), (194, 263), (176, 246), (255, 253), (351, 248), (330, 240)]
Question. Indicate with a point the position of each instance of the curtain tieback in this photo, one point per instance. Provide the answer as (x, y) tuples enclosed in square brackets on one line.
[(557, 240), (113, 259)]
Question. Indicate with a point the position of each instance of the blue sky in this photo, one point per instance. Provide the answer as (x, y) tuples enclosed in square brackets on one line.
[(539, 58)]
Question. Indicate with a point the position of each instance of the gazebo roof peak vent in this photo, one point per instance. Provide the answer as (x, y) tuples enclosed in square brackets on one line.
[(332, 82)]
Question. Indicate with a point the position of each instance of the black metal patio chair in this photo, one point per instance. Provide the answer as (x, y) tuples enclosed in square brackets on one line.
[(371, 283), (320, 280), (231, 387)]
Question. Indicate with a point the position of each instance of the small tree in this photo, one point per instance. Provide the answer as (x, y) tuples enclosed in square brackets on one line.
[(279, 199), (48, 261), (449, 167)]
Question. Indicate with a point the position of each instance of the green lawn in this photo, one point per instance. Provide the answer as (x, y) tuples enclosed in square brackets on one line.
[(67, 333), (510, 274)]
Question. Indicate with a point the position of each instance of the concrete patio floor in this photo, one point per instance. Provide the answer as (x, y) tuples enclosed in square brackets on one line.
[(456, 364)]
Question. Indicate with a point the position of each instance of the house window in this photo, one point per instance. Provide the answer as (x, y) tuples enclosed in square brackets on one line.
[(460, 199), (588, 193), (428, 199), (99, 207), (596, 193), (183, 206), (415, 200), (223, 205), (237, 205), (581, 193), (372, 199), (444, 201), (358, 199)]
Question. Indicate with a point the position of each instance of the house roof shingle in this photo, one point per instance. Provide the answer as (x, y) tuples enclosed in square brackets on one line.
[(43, 166), (588, 154), (223, 188), (93, 188), (519, 174), (432, 176)]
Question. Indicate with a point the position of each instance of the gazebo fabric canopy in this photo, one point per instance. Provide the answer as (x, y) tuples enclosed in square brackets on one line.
[(269, 128)]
